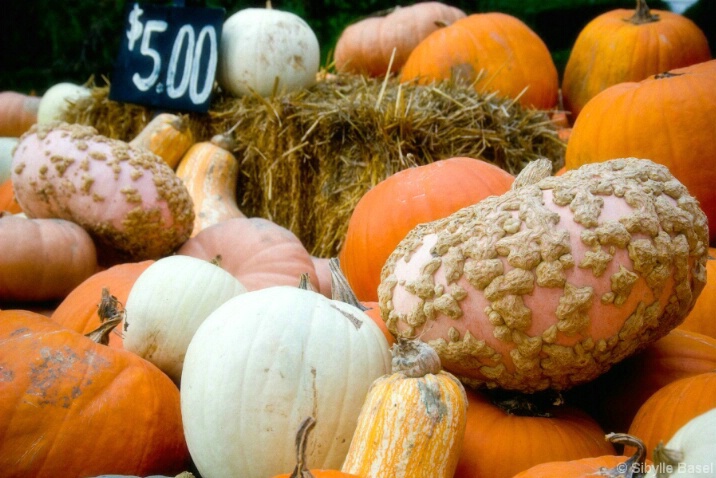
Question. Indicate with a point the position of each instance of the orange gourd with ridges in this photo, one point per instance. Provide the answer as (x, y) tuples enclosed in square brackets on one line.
[(624, 45), (671, 407), (494, 52), (628, 120), (701, 319), (565, 433)]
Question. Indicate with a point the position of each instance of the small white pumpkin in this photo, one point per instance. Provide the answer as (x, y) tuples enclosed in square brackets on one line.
[(264, 50), (690, 453), (57, 99), (261, 363), (166, 305)]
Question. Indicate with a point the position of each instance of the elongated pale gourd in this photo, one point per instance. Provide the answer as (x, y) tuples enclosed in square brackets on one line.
[(210, 171)]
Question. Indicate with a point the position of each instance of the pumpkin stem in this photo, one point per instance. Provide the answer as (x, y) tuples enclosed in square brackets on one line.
[(634, 466), (666, 74), (666, 459), (304, 282), (225, 141), (111, 313), (301, 470), (414, 358), (100, 335), (525, 405), (341, 289), (642, 14)]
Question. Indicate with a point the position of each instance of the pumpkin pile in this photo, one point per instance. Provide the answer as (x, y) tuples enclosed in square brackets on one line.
[(369, 272)]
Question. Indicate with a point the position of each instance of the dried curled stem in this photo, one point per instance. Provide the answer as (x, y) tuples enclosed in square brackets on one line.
[(414, 358), (301, 470)]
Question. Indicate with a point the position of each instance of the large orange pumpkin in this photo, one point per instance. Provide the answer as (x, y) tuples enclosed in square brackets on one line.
[(389, 210), (495, 52), (502, 439), (701, 319), (366, 46), (72, 407), (624, 45), (611, 465), (615, 397), (669, 118), (671, 407), (79, 310), (43, 259)]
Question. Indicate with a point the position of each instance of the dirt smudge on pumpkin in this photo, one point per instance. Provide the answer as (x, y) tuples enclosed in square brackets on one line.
[(50, 371)]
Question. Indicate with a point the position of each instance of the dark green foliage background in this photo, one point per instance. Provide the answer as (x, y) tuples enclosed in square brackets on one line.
[(48, 41)]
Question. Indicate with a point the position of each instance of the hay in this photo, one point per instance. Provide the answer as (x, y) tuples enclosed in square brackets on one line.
[(307, 157)]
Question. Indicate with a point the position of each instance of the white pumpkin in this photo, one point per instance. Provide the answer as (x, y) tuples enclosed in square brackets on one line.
[(691, 451), (56, 100), (263, 362), (168, 302), (263, 49)]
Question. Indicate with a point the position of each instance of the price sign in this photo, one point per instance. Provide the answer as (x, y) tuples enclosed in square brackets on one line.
[(168, 57)]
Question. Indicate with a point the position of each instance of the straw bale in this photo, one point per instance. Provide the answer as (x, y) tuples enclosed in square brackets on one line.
[(307, 157)]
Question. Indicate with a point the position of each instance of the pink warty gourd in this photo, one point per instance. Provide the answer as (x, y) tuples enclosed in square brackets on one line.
[(553, 282), (126, 197)]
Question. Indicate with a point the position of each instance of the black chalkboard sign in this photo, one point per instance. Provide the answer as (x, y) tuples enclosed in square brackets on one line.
[(168, 57)]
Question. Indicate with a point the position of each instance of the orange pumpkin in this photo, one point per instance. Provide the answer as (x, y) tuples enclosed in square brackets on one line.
[(615, 397), (614, 466), (72, 407), (79, 311), (389, 210), (624, 45), (537, 434), (495, 52), (18, 112), (366, 46), (701, 318), (43, 259), (628, 120), (671, 407)]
